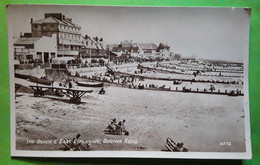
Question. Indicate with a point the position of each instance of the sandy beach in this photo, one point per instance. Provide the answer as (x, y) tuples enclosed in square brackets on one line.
[(202, 123)]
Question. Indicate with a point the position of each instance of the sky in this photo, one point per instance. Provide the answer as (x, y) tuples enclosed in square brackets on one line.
[(210, 33)]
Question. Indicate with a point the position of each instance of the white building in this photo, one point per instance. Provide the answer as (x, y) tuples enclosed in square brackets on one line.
[(68, 34), (28, 49)]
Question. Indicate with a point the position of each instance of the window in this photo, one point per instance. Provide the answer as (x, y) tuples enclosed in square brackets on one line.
[(35, 26), (39, 55), (29, 57), (52, 26), (52, 55), (44, 26)]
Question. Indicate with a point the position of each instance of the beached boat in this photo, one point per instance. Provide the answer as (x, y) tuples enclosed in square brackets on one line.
[(233, 93), (39, 80), (90, 84), (22, 76)]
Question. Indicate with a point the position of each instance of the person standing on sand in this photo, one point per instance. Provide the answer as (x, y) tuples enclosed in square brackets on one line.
[(70, 84)]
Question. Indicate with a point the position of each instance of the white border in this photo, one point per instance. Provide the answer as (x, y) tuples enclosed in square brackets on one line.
[(133, 154)]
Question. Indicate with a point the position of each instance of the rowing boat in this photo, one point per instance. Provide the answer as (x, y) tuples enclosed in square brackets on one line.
[(90, 84), (39, 80), (22, 76)]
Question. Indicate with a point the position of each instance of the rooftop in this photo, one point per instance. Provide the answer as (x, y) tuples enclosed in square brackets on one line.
[(148, 46), (56, 18), (48, 20), (26, 40)]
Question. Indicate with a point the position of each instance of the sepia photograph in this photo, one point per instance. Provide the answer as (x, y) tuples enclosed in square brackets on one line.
[(117, 81)]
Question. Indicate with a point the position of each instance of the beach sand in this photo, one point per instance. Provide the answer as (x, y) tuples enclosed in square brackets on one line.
[(202, 122)]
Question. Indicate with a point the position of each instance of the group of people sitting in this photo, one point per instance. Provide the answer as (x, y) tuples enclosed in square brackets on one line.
[(116, 126), (75, 145), (175, 147)]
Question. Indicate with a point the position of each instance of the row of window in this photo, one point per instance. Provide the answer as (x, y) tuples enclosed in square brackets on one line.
[(91, 50), (43, 26), (69, 28), (46, 56), (68, 48), (45, 53), (69, 36), (60, 27), (88, 43)]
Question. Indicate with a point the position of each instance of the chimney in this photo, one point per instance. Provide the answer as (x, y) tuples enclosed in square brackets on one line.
[(21, 34), (31, 20), (63, 17), (86, 36)]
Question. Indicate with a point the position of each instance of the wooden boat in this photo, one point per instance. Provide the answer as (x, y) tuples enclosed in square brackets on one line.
[(39, 80), (90, 84), (22, 76)]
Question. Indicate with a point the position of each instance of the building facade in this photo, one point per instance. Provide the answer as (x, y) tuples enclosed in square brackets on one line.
[(28, 49), (93, 48), (148, 48), (126, 48), (50, 37), (140, 50), (164, 50), (68, 34)]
